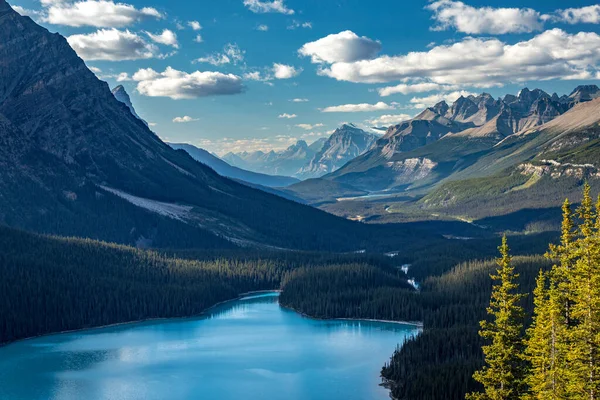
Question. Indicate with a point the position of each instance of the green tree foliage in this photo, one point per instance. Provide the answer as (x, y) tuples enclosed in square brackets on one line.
[(502, 377)]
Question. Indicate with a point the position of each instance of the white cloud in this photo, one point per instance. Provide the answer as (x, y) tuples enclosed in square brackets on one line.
[(95, 70), (364, 107), (112, 45), (183, 120), (182, 85), (388, 120), (167, 37), (310, 127), (262, 28), (423, 102), (483, 62), (262, 7), (34, 14), (583, 15), (299, 100), (101, 14), (345, 46), (296, 24), (277, 71), (403, 88), (123, 77), (195, 25), (282, 71), (198, 39), (231, 54), (484, 20), (287, 116)]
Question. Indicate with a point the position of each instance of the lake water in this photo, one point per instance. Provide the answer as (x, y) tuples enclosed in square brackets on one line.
[(245, 349)]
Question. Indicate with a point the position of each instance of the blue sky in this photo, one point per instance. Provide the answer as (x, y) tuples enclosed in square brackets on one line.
[(230, 70)]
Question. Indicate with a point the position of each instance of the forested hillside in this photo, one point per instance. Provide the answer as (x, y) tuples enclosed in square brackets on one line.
[(51, 284)]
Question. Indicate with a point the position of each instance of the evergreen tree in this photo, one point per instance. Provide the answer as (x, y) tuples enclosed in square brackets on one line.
[(585, 288), (503, 376)]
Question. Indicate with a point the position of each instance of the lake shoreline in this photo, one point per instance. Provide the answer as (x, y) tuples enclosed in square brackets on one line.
[(141, 321), (239, 297), (412, 323)]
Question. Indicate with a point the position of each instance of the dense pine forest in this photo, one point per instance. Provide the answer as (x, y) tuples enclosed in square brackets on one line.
[(52, 284)]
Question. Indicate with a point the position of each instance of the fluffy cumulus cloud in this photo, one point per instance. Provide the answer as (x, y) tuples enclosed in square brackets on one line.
[(388, 119), (231, 54), (112, 45), (263, 7), (277, 71), (184, 120), (287, 116), (484, 20), (364, 107), (262, 28), (195, 25), (282, 71), (343, 47), (101, 14), (482, 62), (583, 15), (428, 101), (182, 85), (167, 37)]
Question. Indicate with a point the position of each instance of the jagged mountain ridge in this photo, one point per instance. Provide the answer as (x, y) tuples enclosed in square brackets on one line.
[(444, 139), (304, 161), (78, 162), (345, 144), (287, 162)]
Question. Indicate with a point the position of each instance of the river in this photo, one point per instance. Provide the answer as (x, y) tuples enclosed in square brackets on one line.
[(245, 349)]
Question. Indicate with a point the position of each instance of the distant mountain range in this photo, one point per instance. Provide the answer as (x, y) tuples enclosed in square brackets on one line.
[(76, 161), (444, 140), (479, 156), (305, 161), (229, 171)]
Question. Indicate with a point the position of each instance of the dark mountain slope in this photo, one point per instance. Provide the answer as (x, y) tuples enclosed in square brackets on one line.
[(229, 171), (82, 164)]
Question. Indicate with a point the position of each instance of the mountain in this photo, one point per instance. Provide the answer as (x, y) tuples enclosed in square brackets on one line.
[(537, 168), (224, 169), (444, 140), (122, 95), (77, 162), (345, 144), (288, 162)]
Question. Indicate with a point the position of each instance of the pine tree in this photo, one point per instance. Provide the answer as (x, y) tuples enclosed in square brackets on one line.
[(547, 345), (503, 376), (585, 288)]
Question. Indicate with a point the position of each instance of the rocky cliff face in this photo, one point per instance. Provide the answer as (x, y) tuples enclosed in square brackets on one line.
[(344, 145)]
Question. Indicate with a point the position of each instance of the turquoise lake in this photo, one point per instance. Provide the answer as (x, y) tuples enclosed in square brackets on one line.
[(245, 349)]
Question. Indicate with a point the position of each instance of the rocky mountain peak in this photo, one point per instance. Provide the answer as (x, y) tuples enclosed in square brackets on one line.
[(121, 94), (441, 108), (462, 109), (584, 93)]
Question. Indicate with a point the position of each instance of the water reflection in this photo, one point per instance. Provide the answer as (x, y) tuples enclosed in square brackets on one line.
[(250, 348)]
